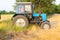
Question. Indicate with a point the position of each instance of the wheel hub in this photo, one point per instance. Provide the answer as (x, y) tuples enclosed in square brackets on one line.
[(46, 26), (20, 22)]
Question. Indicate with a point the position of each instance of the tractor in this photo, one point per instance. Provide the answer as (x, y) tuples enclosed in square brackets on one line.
[(25, 15)]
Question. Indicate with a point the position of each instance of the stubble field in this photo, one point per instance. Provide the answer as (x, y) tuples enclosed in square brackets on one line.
[(35, 32)]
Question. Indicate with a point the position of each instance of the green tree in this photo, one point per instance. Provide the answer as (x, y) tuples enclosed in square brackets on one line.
[(3, 12), (11, 12), (57, 9)]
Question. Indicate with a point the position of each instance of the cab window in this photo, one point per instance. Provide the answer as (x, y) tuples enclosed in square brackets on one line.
[(28, 8)]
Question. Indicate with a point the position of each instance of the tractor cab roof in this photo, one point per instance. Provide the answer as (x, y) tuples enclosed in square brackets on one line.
[(23, 3)]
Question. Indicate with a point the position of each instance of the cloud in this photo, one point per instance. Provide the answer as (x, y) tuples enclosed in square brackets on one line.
[(57, 2)]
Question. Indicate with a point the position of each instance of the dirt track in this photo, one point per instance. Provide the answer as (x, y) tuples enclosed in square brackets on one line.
[(55, 20)]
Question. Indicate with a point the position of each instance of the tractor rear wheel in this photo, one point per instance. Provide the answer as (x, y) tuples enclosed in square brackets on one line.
[(20, 21), (45, 25)]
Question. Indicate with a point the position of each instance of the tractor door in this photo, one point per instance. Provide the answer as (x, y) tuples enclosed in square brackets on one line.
[(28, 11), (20, 9)]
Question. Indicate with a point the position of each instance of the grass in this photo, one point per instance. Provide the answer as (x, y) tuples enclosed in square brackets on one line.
[(8, 25)]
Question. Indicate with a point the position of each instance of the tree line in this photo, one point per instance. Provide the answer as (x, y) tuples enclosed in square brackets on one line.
[(5, 12)]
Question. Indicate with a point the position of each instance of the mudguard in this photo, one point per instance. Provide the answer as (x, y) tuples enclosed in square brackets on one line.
[(44, 18)]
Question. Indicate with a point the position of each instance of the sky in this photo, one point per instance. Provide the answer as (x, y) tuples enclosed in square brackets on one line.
[(8, 4)]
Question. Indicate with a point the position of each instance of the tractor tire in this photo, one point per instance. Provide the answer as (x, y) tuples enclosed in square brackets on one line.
[(20, 21), (45, 25)]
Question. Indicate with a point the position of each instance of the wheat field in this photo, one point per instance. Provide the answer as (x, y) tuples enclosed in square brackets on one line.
[(36, 33), (6, 17)]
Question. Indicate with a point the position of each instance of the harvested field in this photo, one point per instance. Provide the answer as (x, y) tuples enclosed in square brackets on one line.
[(6, 17), (35, 32)]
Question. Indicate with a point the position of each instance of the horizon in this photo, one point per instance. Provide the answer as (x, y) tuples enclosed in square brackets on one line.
[(7, 5)]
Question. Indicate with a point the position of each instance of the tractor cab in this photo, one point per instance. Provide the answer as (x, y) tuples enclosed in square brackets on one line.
[(23, 7)]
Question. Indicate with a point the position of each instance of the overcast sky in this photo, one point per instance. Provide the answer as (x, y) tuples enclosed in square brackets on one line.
[(8, 4)]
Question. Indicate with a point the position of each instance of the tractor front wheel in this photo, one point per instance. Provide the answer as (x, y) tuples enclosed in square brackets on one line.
[(20, 21), (45, 25)]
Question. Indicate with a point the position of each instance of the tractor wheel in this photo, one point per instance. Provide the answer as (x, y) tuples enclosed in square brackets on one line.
[(20, 21), (45, 25)]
